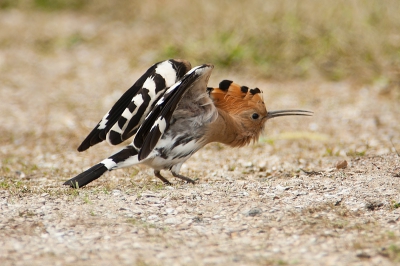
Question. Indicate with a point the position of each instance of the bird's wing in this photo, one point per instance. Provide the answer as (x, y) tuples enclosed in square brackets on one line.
[(155, 124), (125, 117)]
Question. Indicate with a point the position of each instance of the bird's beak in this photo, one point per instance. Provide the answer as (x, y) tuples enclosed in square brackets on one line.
[(272, 114)]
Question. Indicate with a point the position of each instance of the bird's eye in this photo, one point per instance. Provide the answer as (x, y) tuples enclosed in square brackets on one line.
[(255, 116)]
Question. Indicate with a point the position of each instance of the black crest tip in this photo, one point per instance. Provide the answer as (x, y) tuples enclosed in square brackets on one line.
[(244, 89), (255, 91), (225, 84)]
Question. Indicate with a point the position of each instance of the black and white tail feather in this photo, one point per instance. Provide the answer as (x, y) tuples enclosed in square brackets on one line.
[(145, 111)]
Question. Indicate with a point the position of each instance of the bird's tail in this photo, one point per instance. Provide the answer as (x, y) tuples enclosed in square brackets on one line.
[(126, 157), (88, 176)]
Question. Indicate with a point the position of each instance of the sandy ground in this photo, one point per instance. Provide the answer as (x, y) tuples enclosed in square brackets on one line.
[(281, 201)]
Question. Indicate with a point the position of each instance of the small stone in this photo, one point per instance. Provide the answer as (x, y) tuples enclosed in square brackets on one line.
[(341, 164), (42, 200), (170, 210), (248, 164), (116, 192), (371, 206), (153, 200), (20, 174), (253, 212), (363, 255), (281, 188), (132, 198), (137, 211), (153, 217), (148, 194), (171, 220), (198, 219)]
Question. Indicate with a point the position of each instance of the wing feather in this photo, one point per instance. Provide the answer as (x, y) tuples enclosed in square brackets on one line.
[(155, 124), (124, 118)]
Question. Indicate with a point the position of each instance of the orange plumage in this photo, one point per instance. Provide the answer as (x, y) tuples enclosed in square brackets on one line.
[(236, 98)]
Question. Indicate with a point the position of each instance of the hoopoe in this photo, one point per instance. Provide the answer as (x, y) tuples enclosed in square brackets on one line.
[(172, 114)]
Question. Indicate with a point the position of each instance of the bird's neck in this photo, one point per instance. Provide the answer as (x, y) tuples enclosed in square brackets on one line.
[(230, 130)]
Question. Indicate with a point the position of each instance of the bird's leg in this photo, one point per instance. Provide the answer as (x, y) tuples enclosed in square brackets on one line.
[(187, 179), (157, 173)]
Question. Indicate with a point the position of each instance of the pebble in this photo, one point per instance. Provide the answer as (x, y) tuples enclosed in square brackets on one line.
[(362, 254), (281, 188), (171, 220), (170, 210), (41, 200), (148, 194), (153, 217), (20, 174), (341, 164), (253, 212), (116, 192), (247, 164), (137, 211)]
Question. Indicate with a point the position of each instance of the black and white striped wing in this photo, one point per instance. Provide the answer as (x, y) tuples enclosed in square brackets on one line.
[(125, 117), (157, 122)]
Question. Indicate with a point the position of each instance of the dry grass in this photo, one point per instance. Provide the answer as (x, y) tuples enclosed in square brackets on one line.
[(335, 40)]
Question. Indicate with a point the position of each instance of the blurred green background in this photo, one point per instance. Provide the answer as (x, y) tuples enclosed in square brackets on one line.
[(276, 39)]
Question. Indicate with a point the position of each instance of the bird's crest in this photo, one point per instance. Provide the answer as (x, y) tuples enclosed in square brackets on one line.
[(233, 98)]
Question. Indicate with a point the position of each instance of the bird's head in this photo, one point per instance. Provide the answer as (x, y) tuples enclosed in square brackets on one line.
[(247, 108)]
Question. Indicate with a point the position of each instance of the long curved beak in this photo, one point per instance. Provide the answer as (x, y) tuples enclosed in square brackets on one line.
[(272, 114)]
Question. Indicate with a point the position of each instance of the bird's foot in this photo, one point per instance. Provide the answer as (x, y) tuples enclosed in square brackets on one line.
[(187, 179), (165, 181)]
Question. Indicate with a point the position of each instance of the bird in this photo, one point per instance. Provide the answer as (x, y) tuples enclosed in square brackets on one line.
[(171, 113)]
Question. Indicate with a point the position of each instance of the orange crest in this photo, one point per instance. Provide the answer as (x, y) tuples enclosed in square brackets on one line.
[(234, 99)]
